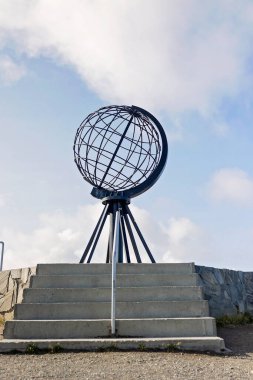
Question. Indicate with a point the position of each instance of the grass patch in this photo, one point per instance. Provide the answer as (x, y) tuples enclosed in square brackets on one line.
[(56, 348), (110, 347), (32, 349), (172, 347), (234, 320), (142, 347)]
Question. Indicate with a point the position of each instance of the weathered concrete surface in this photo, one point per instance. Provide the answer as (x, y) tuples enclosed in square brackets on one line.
[(12, 284), (149, 318), (185, 343), (146, 268), (104, 280), (102, 310), (93, 328), (158, 293), (227, 291)]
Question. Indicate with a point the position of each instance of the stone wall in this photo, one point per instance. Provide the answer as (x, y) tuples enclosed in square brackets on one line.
[(228, 291), (12, 284)]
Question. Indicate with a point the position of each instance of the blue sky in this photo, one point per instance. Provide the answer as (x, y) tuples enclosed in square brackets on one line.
[(187, 62)]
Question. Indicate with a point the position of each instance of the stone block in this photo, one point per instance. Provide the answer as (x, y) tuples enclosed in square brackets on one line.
[(4, 279)]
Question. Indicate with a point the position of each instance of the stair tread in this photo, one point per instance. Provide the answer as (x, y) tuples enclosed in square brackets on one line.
[(116, 339), (118, 274), (109, 320), (122, 287), (109, 302)]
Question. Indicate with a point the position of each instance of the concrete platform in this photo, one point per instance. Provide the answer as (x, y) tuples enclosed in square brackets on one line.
[(210, 344), (156, 305)]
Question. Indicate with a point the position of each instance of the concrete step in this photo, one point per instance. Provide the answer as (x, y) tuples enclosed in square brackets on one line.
[(71, 269), (210, 344), (79, 329), (123, 280), (94, 310), (151, 293)]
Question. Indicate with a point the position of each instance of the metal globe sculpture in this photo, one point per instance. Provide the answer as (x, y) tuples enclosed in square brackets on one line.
[(121, 151)]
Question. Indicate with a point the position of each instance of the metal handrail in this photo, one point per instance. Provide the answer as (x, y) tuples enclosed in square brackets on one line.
[(2, 256), (115, 256)]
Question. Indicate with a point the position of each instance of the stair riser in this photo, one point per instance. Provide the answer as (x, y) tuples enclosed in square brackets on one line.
[(92, 329), (104, 294), (105, 281), (102, 310), (68, 269)]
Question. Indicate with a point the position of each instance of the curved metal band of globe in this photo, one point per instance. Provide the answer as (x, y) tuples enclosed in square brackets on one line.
[(120, 149), (111, 206), (100, 193), (151, 180)]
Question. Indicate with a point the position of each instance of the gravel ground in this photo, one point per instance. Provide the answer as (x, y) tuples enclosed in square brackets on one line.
[(137, 365)]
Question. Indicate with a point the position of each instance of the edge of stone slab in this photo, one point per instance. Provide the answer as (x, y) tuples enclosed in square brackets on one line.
[(196, 344)]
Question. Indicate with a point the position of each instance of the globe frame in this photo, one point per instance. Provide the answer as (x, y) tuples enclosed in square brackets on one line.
[(101, 192), (121, 221)]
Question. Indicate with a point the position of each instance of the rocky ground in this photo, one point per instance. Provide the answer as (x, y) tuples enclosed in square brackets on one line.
[(138, 365)]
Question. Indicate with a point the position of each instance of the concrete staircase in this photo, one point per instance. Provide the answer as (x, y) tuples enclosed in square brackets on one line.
[(158, 305)]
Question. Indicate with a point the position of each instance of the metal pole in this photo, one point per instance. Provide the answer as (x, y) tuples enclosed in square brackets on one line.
[(115, 253), (2, 256)]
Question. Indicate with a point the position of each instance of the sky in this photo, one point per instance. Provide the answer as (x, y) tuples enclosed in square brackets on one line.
[(189, 62)]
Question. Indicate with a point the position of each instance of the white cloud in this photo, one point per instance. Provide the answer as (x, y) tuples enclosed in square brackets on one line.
[(232, 185), (160, 54), (181, 229), (62, 237), (10, 71), (185, 241)]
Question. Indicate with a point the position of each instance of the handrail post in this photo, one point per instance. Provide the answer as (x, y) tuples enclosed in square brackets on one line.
[(2, 256), (115, 255)]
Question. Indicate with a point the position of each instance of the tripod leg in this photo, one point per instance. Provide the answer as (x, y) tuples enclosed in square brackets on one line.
[(140, 235), (120, 257), (97, 238), (104, 212), (138, 258), (108, 252), (113, 210), (124, 236)]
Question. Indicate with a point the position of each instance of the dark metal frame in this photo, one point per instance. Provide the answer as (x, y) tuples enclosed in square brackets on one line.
[(106, 165), (127, 224), (91, 146)]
